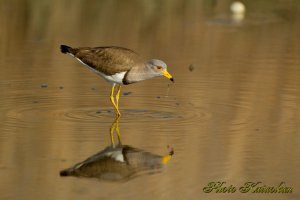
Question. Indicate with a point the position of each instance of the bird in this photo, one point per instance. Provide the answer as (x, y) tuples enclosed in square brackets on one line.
[(118, 65)]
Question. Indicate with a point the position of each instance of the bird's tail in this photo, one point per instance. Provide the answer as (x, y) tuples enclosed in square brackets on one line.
[(65, 48), (66, 172)]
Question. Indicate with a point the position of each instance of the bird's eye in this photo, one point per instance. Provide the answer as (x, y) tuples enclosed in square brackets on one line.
[(159, 67)]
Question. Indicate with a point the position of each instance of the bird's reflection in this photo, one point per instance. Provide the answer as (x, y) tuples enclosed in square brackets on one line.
[(118, 162)]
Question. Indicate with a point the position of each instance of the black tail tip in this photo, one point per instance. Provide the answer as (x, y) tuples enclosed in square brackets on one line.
[(64, 173), (65, 49)]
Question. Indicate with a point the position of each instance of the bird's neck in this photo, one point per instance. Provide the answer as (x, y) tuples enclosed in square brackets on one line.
[(139, 74)]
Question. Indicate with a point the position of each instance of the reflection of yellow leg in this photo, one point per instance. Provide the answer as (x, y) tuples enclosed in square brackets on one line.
[(118, 130), (112, 130), (115, 126), (113, 100)]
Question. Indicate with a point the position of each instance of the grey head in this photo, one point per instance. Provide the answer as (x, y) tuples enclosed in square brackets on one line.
[(158, 68)]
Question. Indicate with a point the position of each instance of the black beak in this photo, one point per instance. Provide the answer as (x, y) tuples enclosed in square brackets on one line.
[(172, 79)]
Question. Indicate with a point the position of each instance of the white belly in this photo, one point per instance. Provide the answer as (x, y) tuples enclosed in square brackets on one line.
[(115, 78)]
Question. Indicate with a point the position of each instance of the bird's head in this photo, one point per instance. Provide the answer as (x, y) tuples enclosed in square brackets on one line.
[(159, 68)]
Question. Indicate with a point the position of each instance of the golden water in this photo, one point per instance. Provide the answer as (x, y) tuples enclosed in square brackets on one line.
[(232, 115)]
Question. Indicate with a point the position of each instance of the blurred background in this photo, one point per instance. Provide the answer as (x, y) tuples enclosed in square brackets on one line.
[(232, 115)]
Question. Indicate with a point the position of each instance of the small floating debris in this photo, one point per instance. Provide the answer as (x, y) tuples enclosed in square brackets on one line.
[(44, 85), (61, 87), (238, 10), (158, 97), (35, 101), (98, 111), (93, 88), (237, 7), (191, 67), (168, 90), (127, 93)]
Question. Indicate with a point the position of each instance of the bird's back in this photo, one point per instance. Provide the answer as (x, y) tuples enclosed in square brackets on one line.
[(108, 60)]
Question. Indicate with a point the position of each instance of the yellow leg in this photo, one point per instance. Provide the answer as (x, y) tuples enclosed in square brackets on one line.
[(118, 96), (113, 100)]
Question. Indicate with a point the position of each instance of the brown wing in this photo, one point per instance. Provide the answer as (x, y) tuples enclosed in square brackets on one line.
[(108, 60)]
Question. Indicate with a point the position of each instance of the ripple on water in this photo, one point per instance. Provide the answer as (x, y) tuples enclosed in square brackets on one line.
[(28, 111)]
